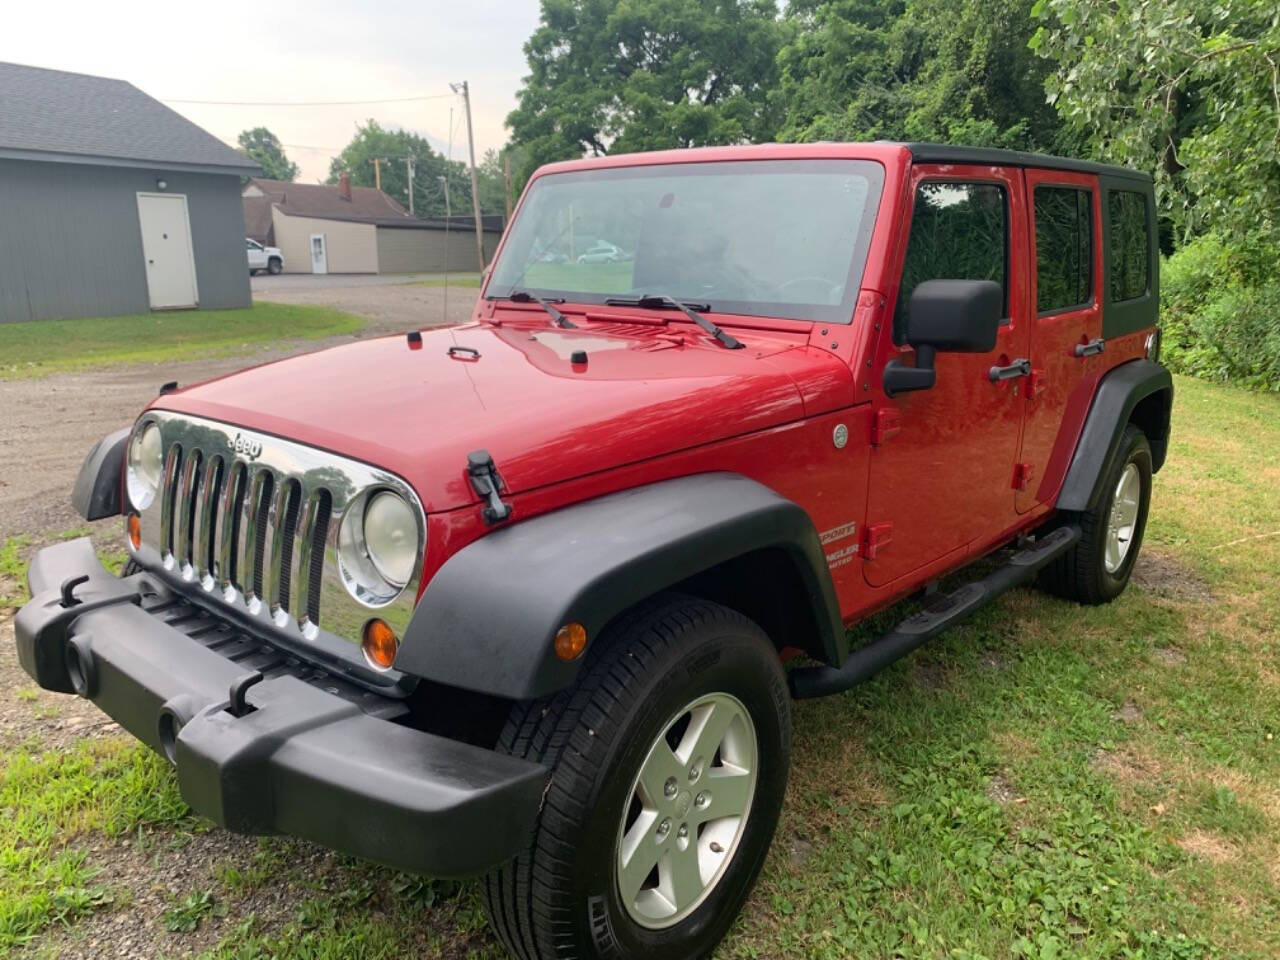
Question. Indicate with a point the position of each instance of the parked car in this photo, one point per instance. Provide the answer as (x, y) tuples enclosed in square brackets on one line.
[(530, 597), (602, 252), (269, 259)]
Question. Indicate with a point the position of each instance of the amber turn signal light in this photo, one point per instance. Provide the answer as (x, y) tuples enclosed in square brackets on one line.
[(135, 530), (380, 643), (571, 640)]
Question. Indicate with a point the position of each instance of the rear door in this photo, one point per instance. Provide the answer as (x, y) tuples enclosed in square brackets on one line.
[(943, 481), (1066, 251)]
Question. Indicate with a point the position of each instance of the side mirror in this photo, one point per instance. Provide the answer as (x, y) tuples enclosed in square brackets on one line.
[(954, 316)]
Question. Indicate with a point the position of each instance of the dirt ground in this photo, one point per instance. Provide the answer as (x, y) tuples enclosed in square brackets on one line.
[(48, 425)]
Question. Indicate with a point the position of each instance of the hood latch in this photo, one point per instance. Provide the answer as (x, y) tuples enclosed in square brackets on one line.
[(487, 483)]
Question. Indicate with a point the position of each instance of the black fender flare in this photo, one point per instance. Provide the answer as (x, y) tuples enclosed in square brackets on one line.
[(97, 492), (488, 619), (1122, 391)]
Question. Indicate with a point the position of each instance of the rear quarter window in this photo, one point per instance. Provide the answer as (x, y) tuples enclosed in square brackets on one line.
[(1130, 266)]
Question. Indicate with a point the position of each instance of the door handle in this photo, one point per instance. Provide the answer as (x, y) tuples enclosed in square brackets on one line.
[(1092, 348), (1019, 368)]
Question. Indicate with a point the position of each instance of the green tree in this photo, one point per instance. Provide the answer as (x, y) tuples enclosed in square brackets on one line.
[(916, 70), (263, 147), (623, 75), (391, 147), (1187, 88)]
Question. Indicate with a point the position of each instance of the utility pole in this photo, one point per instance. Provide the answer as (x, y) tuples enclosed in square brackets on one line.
[(408, 162), (506, 176), (475, 190), (377, 172)]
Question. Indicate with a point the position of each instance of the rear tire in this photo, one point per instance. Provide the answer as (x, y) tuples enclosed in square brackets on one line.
[(1097, 569), (661, 684)]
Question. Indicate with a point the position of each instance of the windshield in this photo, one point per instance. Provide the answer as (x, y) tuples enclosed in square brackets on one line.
[(768, 238)]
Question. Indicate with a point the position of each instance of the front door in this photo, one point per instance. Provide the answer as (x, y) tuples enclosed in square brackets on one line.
[(944, 481), (319, 255), (166, 248), (1066, 331)]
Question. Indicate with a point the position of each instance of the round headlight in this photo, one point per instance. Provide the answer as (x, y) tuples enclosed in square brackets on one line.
[(145, 466), (379, 547), (391, 537)]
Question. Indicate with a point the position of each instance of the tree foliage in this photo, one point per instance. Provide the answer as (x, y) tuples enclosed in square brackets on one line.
[(625, 75), (391, 147), (915, 70), (263, 147), (1187, 88)]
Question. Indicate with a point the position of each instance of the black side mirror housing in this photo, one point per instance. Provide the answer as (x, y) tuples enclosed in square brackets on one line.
[(954, 316)]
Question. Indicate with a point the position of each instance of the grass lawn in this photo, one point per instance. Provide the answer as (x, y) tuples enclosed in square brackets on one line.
[(1047, 781), (40, 347)]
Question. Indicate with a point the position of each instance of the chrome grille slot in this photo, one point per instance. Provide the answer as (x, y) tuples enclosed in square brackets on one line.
[(251, 524), (282, 537)]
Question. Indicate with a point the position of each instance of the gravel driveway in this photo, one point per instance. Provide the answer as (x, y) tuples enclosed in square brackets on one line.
[(48, 425)]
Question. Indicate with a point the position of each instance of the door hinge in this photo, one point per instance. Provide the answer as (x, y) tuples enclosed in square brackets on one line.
[(1022, 475), (887, 424), (876, 537), (487, 483)]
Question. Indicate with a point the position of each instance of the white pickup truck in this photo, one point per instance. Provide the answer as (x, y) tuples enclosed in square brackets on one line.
[(269, 259)]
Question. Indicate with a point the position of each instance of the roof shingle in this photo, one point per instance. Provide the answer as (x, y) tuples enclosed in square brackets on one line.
[(66, 116)]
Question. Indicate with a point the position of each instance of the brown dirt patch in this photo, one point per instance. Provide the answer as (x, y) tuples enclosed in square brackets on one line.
[(1166, 576), (1169, 656), (1129, 712)]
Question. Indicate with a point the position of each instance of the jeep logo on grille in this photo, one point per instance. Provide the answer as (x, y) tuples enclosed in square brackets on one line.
[(247, 447)]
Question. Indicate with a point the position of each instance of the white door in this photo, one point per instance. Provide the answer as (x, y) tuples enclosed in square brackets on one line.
[(257, 256), (166, 247), (319, 257)]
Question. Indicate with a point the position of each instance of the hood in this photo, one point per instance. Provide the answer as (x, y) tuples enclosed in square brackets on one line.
[(417, 409)]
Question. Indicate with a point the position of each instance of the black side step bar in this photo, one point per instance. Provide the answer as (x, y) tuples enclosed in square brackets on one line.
[(946, 611)]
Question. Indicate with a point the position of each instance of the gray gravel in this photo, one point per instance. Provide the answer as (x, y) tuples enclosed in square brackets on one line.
[(48, 425)]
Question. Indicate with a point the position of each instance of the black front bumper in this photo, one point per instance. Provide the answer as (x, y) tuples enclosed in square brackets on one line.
[(299, 758)]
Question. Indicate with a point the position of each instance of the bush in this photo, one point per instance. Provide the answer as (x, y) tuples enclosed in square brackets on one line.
[(1220, 310)]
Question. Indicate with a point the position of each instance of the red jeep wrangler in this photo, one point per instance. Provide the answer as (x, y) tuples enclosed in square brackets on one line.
[(515, 597)]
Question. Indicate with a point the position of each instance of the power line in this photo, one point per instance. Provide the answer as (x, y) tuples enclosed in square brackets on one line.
[(307, 103)]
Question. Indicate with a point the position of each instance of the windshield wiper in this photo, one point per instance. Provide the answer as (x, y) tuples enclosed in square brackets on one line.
[(524, 296), (652, 301)]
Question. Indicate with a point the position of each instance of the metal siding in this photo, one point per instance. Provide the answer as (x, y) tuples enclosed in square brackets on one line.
[(71, 246), (408, 250)]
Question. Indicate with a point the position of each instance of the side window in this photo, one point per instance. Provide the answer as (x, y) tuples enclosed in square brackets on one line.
[(959, 231), (1130, 246), (1064, 248)]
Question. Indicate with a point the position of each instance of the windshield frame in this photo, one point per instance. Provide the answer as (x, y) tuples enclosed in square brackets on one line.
[(873, 170)]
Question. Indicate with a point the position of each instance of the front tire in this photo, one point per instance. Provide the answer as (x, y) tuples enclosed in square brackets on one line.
[(274, 266), (1097, 569), (669, 762)]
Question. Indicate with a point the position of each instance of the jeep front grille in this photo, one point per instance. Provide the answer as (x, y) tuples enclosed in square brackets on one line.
[(251, 522)]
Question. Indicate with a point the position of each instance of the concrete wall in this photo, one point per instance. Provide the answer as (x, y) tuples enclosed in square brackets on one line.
[(350, 247), (71, 245), (419, 250)]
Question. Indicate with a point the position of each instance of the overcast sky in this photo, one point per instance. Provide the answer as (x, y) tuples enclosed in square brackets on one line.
[(285, 50)]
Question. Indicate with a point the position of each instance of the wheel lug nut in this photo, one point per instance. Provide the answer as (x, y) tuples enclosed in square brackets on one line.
[(664, 827), (684, 831), (669, 788), (702, 799)]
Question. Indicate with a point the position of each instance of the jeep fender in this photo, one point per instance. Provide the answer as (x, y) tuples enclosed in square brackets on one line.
[(488, 619), (1139, 391), (97, 490)]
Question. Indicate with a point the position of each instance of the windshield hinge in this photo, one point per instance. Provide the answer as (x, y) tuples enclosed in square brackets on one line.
[(487, 483)]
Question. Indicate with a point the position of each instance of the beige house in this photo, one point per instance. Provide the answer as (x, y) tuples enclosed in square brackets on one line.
[(344, 229)]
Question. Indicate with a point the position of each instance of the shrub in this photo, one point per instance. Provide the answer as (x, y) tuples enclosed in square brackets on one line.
[(1220, 306)]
